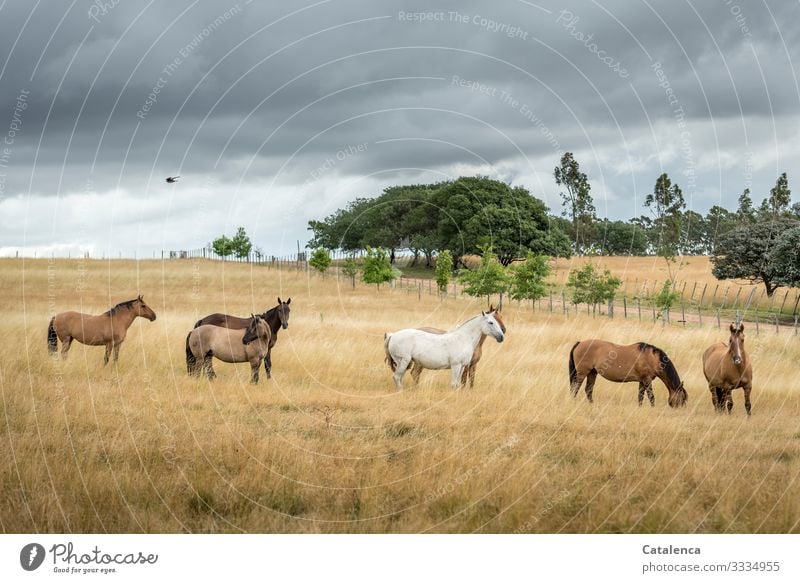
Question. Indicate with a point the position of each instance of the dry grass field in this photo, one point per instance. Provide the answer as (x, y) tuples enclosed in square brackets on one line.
[(328, 445)]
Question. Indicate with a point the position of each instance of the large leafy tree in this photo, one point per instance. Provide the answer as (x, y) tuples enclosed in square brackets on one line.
[(320, 260), (746, 213), (621, 238), (785, 257), (748, 253), (222, 246), (576, 199), (444, 270)]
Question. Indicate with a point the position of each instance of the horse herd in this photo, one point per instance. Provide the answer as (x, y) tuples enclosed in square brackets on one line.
[(233, 339)]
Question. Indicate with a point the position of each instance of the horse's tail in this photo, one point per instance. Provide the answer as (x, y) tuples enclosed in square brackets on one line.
[(191, 361), (389, 360), (573, 371), (52, 337)]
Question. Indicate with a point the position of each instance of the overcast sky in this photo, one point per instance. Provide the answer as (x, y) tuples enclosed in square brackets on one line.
[(274, 113)]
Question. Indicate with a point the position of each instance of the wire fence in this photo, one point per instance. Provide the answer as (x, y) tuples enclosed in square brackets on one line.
[(698, 304)]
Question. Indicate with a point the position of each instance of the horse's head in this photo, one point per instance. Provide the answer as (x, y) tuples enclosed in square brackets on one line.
[(679, 397), (491, 327), (736, 343), (283, 312), (498, 316), (143, 309), (257, 328)]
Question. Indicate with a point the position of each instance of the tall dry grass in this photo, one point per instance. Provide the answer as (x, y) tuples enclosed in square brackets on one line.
[(328, 446)]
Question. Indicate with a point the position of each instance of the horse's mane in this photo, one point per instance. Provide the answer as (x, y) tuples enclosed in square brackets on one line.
[(128, 304), (666, 363), (271, 311)]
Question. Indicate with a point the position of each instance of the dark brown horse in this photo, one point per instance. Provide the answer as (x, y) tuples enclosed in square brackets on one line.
[(640, 362), (728, 367), (469, 371), (107, 329), (276, 318)]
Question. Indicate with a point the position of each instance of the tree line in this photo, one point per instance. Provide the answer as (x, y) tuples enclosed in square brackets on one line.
[(470, 215)]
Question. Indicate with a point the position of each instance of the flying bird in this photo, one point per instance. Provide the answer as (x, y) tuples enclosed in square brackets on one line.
[(172, 179)]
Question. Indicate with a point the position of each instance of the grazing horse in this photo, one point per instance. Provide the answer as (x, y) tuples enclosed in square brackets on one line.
[(453, 350), (728, 367), (277, 318), (469, 371), (228, 345), (640, 362), (109, 328)]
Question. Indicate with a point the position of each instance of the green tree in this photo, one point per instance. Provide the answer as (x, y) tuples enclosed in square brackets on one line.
[(376, 268), (746, 213), (590, 286), (488, 278), (444, 269), (621, 238), (241, 243), (222, 246), (785, 257), (666, 297), (746, 253), (528, 278), (350, 269), (779, 197), (320, 260), (718, 222), (576, 199), (666, 205)]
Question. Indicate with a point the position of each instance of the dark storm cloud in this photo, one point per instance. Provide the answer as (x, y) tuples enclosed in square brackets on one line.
[(121, 94)]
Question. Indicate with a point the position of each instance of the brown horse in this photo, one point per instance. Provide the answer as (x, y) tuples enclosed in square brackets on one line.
[(728, 367), (109, 328), (228, 345), (621, 364), (469, 371), (277, 318)]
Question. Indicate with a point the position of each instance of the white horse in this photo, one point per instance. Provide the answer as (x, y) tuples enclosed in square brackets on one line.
[(451, 350)]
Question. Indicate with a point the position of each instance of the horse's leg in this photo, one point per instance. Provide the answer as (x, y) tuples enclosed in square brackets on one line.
[(416, 371), (268, 363), (720, 399), (65, 344), (254, 372), (399, 372), (641, 393), (747, 390), (455, 376), (650, 396), (208, 367), (714, 399), (472, 368), (116, 351), (729, 400), (108, 353), (590, 379)]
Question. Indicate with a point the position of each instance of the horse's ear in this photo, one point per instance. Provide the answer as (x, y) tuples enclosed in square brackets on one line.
[(141, 298), (483, 313), (279, 301), (741, 326), (289, 301), (732, 329)]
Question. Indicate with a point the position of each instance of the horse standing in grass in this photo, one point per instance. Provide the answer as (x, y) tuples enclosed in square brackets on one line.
[(639, 362), (469, 371), (107, 329), (727, 367), (228, 345), (453, 350), (277, 318)]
